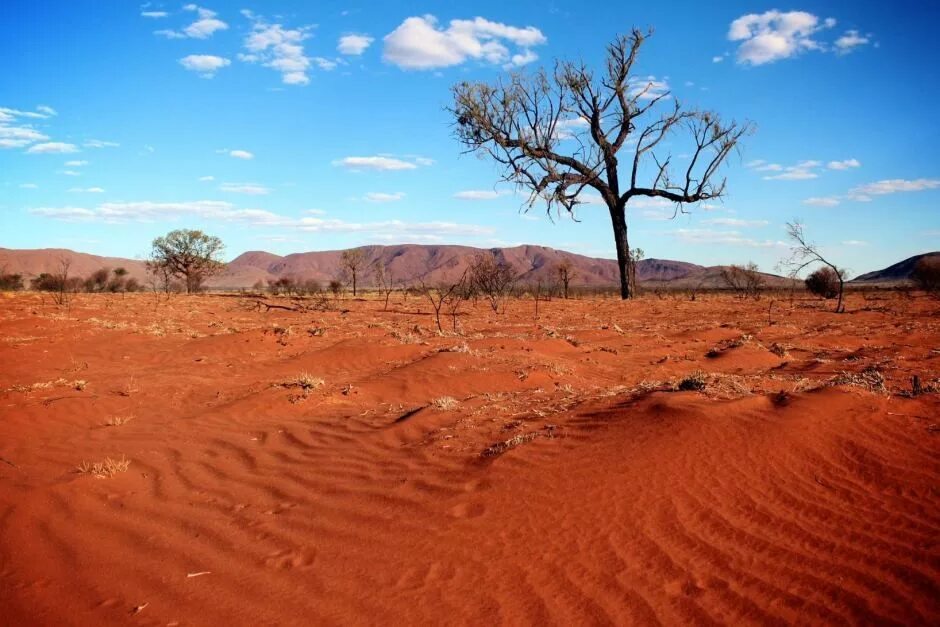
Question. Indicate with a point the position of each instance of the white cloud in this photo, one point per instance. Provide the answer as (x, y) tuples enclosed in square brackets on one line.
[(207, 23), (481, 194), (42, 112), (87, 190), (854, 242), (21, 134), (864, 193), (735, 222), (383, 196), (205, 64), (278, 48), (845, 164), (418, 43), (240, 154), (28, 186), (730, 238), (252, 189), (146, 211), (375, 163), (15, 133), (850, 41), (154, 14), (75, 164), (774, 35), (169, 34), (325, 64), (801, 171), (98, 143), (70, 173), (718, 58), (822, 201), (647, 87), (354, 45), (521, 58), (205, 179), (52, 148)]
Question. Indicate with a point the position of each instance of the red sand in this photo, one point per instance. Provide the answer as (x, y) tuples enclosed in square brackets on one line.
[(769, 496)]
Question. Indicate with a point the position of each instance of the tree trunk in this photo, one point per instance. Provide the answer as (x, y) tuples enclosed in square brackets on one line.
[(624, 260)]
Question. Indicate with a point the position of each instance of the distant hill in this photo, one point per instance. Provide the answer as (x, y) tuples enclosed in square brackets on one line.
[(896, 273), (407, 263), (33, 262), (411, 262)]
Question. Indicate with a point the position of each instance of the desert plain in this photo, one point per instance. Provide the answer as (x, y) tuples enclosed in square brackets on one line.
[(206, 460)]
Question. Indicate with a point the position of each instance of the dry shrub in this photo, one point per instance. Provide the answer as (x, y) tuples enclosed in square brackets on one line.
[(102, 470), (495, 450), (926, 274), (445, 403), (694, 382), (823, 282), (870, 379)]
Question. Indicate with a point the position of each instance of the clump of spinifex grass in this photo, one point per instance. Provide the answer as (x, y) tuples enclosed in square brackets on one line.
[(445, 403), (304, 381), (104, 469)]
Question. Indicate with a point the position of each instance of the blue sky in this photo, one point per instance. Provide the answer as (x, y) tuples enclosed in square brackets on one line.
[(291, 126)]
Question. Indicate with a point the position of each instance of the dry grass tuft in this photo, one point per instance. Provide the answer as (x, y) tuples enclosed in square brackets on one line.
[(105, 469), (495, 450), (869, 379), (694, 382), (445, 403), (117, 421), (306, 382)]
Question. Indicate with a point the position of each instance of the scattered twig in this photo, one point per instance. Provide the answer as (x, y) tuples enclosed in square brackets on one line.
[(138, 609), (199, 574)]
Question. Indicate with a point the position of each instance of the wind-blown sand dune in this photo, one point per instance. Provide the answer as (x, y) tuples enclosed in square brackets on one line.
[(567, 482)]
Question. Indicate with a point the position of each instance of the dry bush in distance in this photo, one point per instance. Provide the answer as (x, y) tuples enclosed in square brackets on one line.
[(823, 282), (746, 281), (926, 274), (805, 253), (493, 278)]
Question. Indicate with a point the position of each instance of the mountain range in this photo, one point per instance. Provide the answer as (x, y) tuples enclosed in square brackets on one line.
[(408, 263)]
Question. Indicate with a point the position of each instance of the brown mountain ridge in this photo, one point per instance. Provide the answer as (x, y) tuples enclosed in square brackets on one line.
[(409, 263)]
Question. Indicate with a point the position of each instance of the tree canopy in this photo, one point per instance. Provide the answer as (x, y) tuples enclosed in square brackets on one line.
[(189, 255)]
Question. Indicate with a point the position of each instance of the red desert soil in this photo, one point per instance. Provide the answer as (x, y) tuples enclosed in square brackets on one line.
[(523, 472)]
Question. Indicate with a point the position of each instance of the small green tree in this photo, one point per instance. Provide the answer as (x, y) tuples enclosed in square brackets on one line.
[(189, 255)]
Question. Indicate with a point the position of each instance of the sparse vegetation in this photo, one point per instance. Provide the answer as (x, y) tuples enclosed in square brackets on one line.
[(104, 469), (926, 274), (493, 278), (746, 281), (445, 403), (353, 262), (823, 282), (804, 254)]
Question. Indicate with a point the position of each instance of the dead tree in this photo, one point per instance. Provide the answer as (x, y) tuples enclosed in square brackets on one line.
[(566, 273), (353, 261), (805, 254), (492, 278), (559, 134), (62, 294), (384, 280), (746, 281), (446, 294)]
